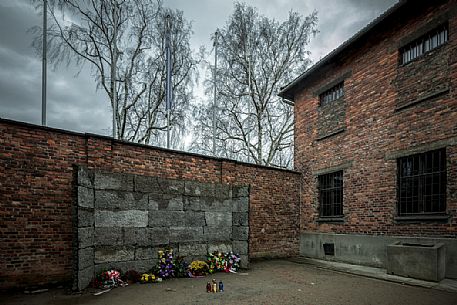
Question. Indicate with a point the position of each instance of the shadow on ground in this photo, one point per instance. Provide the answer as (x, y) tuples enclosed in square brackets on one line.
[(267, 282)]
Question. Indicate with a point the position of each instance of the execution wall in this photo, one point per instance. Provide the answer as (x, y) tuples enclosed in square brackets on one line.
[(39, 192)]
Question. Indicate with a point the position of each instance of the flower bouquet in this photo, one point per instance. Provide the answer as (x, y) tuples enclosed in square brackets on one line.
[(216, 262), (181, 267), (232, 262), (199, 268), (148, 278), (108, 279), (166, 268)]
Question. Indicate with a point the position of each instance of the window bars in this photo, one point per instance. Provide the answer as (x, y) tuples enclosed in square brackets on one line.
[(424, 44), (422, 183), (331, 94), (331, 194)]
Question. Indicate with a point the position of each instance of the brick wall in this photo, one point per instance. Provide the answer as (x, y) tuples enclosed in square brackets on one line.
[(390, 111), (38, 193)]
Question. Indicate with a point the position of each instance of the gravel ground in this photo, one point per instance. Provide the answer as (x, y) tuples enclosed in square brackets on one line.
[(267, 282)]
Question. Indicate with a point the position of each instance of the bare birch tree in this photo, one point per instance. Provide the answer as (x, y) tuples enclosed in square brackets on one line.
[(256, 55), (123, 42)]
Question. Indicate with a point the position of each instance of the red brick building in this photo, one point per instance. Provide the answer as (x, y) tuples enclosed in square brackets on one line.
[(376, 138)]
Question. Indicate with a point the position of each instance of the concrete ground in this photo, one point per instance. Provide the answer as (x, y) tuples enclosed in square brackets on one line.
[(377, 273), (267, 282)]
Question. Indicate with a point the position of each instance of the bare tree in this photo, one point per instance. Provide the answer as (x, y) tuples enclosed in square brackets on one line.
[(256, 56), (123, 41)]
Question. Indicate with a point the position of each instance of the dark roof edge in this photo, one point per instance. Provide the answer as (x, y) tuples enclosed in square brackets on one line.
[(285, 91), (179, 152)]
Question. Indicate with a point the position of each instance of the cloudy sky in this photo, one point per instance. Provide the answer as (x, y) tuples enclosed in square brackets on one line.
[(73, 101)]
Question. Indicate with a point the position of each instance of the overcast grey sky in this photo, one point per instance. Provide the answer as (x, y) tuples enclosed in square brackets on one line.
[(73, 101)]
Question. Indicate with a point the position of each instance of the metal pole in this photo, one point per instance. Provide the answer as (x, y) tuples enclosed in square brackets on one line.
[(113, 71), (215, 94), (169, 81), (249, 105), (168, 128), (44, 63)]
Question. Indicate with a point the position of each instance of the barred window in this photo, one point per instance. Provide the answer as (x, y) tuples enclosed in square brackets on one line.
[(331, 194), (424, 44), (422, 183), (332, 94)]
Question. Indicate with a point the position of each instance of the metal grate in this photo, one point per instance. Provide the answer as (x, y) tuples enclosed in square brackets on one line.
[(329, 248), (331, 194), (422, 183), (424, 44), (332, 94)]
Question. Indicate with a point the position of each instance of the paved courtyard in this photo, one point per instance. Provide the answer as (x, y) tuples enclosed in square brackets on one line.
[(267, 282)]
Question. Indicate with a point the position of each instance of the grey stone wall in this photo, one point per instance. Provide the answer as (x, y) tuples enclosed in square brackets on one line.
[(370, 250), (124, 219)]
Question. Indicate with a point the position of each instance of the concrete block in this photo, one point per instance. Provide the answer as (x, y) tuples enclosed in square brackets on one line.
[(240, 191), (131, 218), (420, 261), (166, 218), (168, 186), (108, 237), (85, 197), (215, 205), (195, 188), (85, 258), (369, 250), (240, 219), (309, 245), (136, 236), (85, 277), (168, 202), (222, 191), (145, 253), (180, 234), (191, 203), (85, 218), (240, 233), (192, 249), (159, 236), (244, 261), (194, 219), (217, 234), (174, 218), (110, 254), (114, 200), (85, 177), (137, 265), (240, 204), (218, 219), (240, 247), (113, 181), (85, 237), (219, 247), (146, 184), (213, 190), (153, 202)]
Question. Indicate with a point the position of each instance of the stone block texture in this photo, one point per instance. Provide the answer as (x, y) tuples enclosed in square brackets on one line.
[(125, 223), (42, 169)]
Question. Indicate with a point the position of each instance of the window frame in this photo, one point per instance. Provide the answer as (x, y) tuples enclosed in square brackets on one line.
[(329, 192), (416, 186), (423, 44), (334, 93)]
